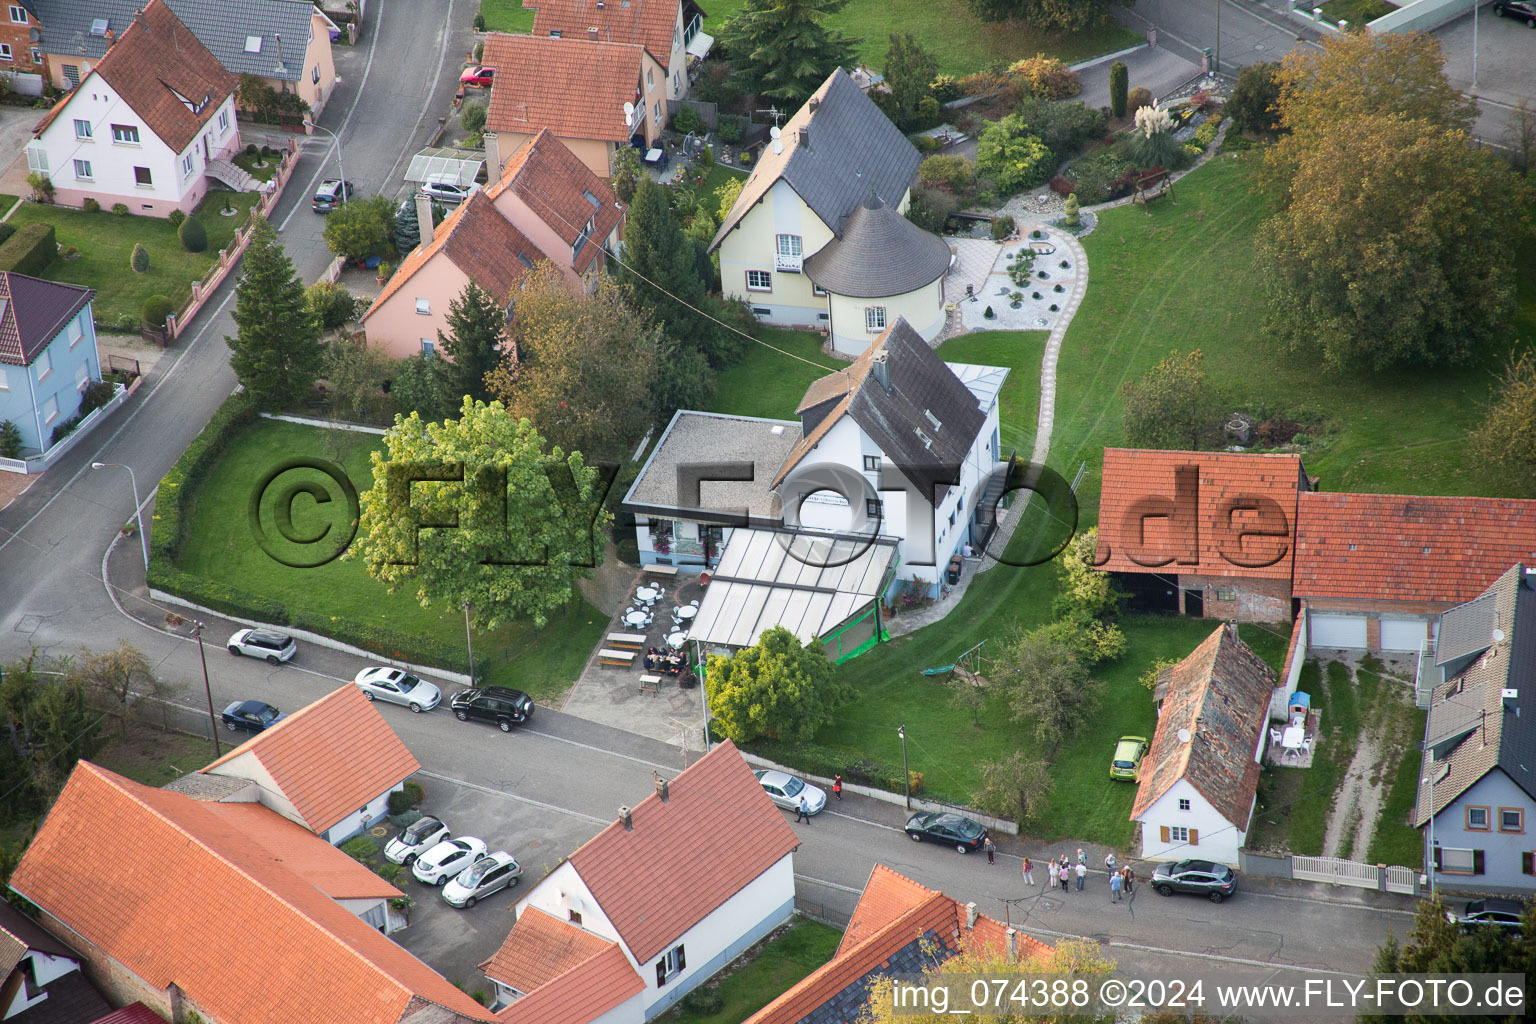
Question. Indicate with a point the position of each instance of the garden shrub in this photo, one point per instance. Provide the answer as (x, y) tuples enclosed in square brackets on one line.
[(729, 131), (1064, 127), (928, 112), (399, 802), (1119, 83), (6, 231), (472, 117), (119, 209), (360, 848), (1096, 175), (983, 83), (686, 120), (177, 218), (1152, 144), (1045, 77), (1012, 158), (951, 172), (194, 237), (331, 304), (1206, 133), (704, 1001), (1139, 97), (1254, 98), (479, 23), (931, 206), (413, 790), (945, 88), (1002, 227), (925, 143), (96, 394), (30, 250), (479, 51), (157, 308), (627, 550), (1062, 186), (139, 259), (10, 440), (92, 206)]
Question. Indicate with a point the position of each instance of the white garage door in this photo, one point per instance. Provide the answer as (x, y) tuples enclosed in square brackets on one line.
[(1347, 631), (1403, 634)]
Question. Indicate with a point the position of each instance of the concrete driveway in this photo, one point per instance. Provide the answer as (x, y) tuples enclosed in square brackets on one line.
[(16, 124), (1506, 53)]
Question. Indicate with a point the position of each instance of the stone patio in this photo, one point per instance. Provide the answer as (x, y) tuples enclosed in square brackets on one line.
[(1278, 756), (1032, 313)]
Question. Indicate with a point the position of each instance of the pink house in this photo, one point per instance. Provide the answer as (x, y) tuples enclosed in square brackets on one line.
[(547, 206)]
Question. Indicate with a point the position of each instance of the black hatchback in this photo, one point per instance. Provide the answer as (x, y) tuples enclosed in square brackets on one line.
[(1201, 877), (500, 704), (945, 827)]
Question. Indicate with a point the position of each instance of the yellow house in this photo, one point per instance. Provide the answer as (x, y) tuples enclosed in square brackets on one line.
[(817, 238)]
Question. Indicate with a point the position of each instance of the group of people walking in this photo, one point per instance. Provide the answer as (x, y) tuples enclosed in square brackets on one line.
[(1062, 871)]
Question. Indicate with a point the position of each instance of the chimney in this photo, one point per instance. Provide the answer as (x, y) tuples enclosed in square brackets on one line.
[(627, 819), (1232, 629), (661, 787), (424, 218), (815, 102), (880, 369), (805, 138), (1013, 943), (970, 915), (592, 33)]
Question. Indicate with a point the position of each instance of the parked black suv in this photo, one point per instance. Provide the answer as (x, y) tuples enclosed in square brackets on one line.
[(1522, 10), (1202, 877), (500, 704)]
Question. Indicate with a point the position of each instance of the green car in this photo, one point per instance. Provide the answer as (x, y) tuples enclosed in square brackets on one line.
[(1128, 754)]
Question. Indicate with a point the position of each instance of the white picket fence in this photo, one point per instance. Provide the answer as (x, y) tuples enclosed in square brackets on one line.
[(1403, 880), (1336, 871)]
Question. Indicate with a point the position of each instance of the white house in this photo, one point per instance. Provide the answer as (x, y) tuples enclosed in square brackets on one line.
[(817, 237), (42, 974), (1197, 784), (653, 905), (329, 767), (146, 127)]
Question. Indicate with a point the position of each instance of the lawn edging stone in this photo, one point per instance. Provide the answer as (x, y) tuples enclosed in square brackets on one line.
[(918, 804)]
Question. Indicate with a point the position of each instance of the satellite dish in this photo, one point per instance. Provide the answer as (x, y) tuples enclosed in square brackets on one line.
[(774, 132), (1183, 735), (1498, 636), (629, 112), (776, 144)]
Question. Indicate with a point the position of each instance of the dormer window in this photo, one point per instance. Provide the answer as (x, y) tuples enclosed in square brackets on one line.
[(933, 420)]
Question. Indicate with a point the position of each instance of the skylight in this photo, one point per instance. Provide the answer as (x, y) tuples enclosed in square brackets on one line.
[(99, 27), (253, 44)]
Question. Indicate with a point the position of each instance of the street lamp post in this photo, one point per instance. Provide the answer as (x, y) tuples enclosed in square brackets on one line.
[(340, 166), (906, 776), (138, 514), (1216, 60), (1474, 42), (1429, 862), (470, 643), (197, 631)]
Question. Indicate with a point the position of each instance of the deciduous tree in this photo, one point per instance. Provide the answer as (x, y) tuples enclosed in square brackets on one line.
[(582, 368), (1506, 440), (1065, 15), (778, 688), (276, 353), (1016, 786), (120, 681), (527, 516), (1047, 684), (477, 333), (909, 68), (356, 372), (1255, 96), (1168, 406), (360, 228), (424, 385), (782, 50), (49, 725)]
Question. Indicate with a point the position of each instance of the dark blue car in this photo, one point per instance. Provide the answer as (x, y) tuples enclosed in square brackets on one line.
[(251, 715)]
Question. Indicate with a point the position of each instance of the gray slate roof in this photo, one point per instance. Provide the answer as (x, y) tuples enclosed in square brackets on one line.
[(220, 25), (33, 312), (910, 959), (1466, 631), (898, 419), (1472, 728), (696, 442), (880, 253), (851, 149)]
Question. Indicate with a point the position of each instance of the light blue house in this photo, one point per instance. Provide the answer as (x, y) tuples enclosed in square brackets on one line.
[(1477, 791), (47, 355)]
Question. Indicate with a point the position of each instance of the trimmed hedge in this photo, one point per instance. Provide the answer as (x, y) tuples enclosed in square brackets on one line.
[(179, 487), (30, 250)]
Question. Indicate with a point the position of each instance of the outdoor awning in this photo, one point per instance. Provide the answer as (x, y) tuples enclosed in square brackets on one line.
[(807, 583), (700, 44), (443, 164)]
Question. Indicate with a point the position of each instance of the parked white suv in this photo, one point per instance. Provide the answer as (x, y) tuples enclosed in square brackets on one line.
[(263, 643)]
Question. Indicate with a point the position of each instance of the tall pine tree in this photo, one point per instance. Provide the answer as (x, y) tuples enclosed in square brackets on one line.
[(477, 329), (277, 353), (782, 50)]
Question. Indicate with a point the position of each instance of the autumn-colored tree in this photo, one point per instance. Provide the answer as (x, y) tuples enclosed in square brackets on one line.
[(778, 687), (1506, 440), (478, 510), (1396, 245), (120, 681), (582, 368), (1169, 405)]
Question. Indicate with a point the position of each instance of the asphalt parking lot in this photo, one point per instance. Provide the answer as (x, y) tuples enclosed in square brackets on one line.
[(455, 942)]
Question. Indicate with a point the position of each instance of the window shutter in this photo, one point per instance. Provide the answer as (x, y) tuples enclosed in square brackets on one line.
[(661, 972), (1194, 837), (1525, 864), (681, 962), (1163, 831), (1437, 858), (1477, 862)]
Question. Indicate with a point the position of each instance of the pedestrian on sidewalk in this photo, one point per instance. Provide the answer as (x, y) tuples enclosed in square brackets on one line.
[(1115, 881), (1029, 872), (1051, 868), (1109, 862), (1082, 858), (1065, 873), (837, 786), (803, 812), (1082, 873), (1130, 880), (991, 849)]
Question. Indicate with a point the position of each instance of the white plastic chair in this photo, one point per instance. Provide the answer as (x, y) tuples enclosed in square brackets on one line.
[(1306, 744), (1274, 736)]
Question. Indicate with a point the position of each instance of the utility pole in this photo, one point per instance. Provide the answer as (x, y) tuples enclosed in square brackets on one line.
[(1429, 862), (1216, 60), (470, 643), (906, 776), (197, 631), (1474, 42)]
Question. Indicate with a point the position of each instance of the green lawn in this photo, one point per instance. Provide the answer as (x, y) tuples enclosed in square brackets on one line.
[(962, 42), (769, 384), (106, 242), (506, 16), (219, 546), (1183, 277), (775, 966), (6, 202), (248, 164), (1395, 841)]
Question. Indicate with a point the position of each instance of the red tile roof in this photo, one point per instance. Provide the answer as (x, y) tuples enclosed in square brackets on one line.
[(716, 832), (33, 312), (570, 975), (1393, 547), (320, 864), (1227, 493), (574, 87), (258, 933), (482, 243), (651, 23), (1220, 694), (329, 758), (539, 947), (169, 78), (914, 911), (555, 184), (133, 1013)]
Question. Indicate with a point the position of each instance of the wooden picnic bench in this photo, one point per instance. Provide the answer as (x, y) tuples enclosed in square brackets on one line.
[(625, 641), (652, 683), (1152, 187), (661, 570), (618, 659)]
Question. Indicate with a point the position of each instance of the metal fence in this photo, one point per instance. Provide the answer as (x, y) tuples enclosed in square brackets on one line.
[(818, 911), (1332, 871), (709, 113)]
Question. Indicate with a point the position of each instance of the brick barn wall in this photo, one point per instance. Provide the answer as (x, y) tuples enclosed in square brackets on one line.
[(1253, 600)]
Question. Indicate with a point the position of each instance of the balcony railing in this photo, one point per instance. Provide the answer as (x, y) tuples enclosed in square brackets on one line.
[(787, 264)]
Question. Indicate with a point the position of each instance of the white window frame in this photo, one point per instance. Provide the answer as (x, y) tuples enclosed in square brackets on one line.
[(82, 377), (1465, 862), (672, 959), (121, 134), (766, 275), (186, 166), (43, 365), (223, 122), (5, 384), (17, 9), (37, 55), (874, 319), (314, 74), (424, 307), (5, 52), (1519, 825), (49, 417), (76, 330), (650, 80), (83, 130), (657, 109), (789, 245), (428, 347), (1178, 833), (148, 173), (86, 166)]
